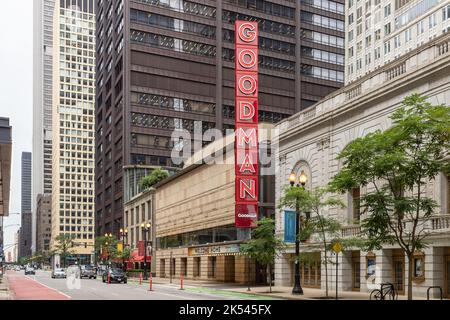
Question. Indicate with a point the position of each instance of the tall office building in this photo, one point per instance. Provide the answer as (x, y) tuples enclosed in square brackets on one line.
[(161, 65), (42, 102), (44, 222), (381, 31), (73, 125), (26, 216), (5, 173)]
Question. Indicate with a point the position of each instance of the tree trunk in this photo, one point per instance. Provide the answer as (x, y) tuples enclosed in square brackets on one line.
[(410, 275), (270, 277), (326, 273)]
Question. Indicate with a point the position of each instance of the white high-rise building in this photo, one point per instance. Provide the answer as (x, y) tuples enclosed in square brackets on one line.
[(42, 103), (381, 31), (73, 125)]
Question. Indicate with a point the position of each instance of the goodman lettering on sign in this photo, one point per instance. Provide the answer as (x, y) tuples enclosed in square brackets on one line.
[(246, 134)]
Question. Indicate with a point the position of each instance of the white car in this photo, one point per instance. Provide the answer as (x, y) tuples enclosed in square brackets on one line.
[(59, 273)]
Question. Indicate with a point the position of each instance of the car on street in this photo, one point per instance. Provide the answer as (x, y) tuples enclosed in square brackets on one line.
[(17, 268), (30, 270), (88, 271), (115, 275), (59, 273)]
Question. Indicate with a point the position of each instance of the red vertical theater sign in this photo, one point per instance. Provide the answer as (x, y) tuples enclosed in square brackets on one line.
[(246, 132)]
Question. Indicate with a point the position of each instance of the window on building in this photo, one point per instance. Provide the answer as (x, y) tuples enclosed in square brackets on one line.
[(356, 210), (387, 10), (387, 29)]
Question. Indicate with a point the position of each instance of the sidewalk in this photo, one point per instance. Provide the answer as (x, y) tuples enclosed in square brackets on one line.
[(284, 293), (4, 291), (277, 292)]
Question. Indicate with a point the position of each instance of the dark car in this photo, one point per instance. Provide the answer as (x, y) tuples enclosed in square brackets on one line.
[(115, 275), (30, 270), (88, 272)]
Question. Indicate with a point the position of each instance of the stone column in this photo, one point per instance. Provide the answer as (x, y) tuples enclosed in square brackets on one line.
[(283, 270)]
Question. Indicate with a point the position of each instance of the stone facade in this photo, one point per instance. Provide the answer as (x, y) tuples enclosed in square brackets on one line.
[(311, 141), (44, 222), (195, 219)]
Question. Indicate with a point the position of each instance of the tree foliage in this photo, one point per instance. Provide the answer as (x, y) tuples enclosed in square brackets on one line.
[(326, 229), (108, 245), (64, 246), (264, 245), (394, 167), (153, 178)]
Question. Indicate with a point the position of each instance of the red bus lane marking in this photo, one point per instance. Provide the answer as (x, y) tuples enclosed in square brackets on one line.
[(25, 288)]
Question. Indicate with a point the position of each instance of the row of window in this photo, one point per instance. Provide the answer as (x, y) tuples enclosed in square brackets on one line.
[(183, 6), (174, 44), (322, 73), (414, 12), (326, 5), (213, 235), (179, 25), (265, 43), (264, 25), (263, 116), (172, 103), (323, 38), (322, 21), (266, 7), (264, 61), (168, 123), (143, 159), (322, 55)]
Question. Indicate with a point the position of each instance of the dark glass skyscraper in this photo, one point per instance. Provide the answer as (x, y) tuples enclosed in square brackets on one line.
[(163, 64), (25, 234)]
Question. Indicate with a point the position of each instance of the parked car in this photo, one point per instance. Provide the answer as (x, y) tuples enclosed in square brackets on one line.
[(59, 273), (115, 275), (88, 271), (30, 270)]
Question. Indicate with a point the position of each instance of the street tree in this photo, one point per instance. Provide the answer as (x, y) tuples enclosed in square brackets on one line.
[(64, 246), (106, 248), (395, 166), (153, 178), (264, 246), (327, 230)]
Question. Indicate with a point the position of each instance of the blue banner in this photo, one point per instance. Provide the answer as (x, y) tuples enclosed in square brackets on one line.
[(289, 226)]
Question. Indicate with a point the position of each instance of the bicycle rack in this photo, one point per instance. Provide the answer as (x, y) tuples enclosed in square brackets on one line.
[(434, 287)]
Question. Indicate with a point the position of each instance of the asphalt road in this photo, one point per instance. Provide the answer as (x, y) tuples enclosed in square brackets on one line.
[(44, 287)]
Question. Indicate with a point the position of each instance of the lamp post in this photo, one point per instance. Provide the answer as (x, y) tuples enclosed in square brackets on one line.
[(302, 182), (145, 230), (123, 236), (108, 237)]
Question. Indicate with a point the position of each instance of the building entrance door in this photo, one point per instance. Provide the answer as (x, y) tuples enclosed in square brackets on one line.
[(399, 273), (356, 271), (447, 277)]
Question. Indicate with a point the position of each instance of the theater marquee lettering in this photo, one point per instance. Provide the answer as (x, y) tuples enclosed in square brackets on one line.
[(246, 142)]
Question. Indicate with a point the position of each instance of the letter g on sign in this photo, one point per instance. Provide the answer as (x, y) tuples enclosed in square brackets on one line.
[(247, 32)]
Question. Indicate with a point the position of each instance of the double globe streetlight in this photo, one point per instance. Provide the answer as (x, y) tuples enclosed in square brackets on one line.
[(123, 236), (145, 231), (108, 237), (302, 182)]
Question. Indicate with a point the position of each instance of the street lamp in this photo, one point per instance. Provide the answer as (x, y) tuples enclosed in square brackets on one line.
[(108, 236), (123, 236), (302, 182), (145, 230)]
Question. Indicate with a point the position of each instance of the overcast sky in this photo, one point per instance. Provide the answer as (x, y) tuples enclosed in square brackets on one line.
[(16, 91)]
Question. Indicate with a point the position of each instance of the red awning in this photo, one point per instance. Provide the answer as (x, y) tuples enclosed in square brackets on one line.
[(135, 257)]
